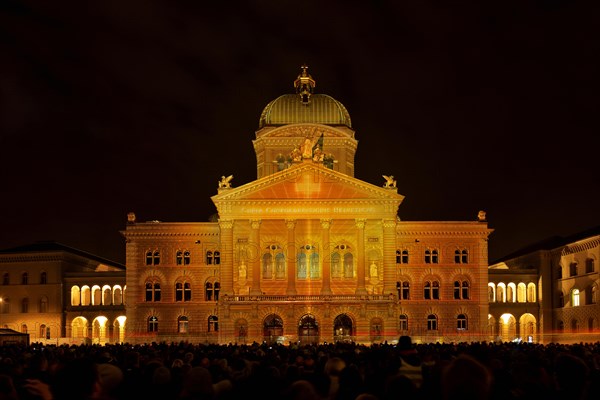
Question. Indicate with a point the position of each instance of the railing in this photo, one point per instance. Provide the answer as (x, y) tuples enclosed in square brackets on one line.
[(308, 297)]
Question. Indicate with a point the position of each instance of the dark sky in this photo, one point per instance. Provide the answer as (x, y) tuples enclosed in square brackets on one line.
[(108, 107)]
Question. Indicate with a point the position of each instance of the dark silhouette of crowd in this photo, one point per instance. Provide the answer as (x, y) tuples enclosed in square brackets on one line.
[(331, 371)]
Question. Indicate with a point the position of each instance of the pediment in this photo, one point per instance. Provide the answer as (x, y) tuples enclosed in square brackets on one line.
[(305, 181)]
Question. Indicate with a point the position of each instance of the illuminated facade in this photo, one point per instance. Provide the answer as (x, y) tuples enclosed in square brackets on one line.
[(548, 292), (306, 252), (58, 294)]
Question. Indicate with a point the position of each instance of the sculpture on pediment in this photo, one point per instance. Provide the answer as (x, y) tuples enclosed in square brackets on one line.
[(390, 182), (225, 182), (307, 148), (481, 216)]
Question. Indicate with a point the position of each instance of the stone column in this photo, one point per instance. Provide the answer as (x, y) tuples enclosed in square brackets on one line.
[(389, 256), (360, 261), (326, 252), (226, 268), (291, 256), (255, 258)]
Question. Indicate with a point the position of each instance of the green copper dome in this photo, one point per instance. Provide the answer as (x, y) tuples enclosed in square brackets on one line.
[(304, 107)]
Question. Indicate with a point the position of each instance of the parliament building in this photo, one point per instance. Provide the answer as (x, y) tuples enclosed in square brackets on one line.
[(306, 252)]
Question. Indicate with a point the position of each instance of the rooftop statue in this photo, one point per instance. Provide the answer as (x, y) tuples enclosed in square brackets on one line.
[(225, 182), (390, 182)]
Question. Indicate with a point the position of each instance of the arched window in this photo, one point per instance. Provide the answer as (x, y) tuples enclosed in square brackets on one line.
[(42, 331), (432, 322), (152, 324), (153, 257), (302, 266), (23, 328), (267, 266), (511, 292), (461, 256), (403, 289), (179, 257), (531, 297), (209, 257), (575, 297), (461, 322), (461, 290), (491, 293), (336, 267), (213, 323), (208, 291), (153, 292), (348, 265), (25, 305), (75, 296), (432, 290), (521, 292), (148, 258), (217, 290), (24, 278), (117, 295), (106, 295), (6, 279), (183, 291), (431, 256), (402, 256), (217, 257), (559, 272), (465, 290), (501, 292), (279, 265), (403, 322), (315, 272), (43, 278), (182, 324), (186, 258)]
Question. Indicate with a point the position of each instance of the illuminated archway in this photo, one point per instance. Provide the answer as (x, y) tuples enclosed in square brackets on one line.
[(79, 329), (508, 327), (528, 328), (99, 330)]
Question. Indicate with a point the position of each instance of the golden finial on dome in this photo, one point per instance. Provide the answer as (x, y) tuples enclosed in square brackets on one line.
[(304, 85)]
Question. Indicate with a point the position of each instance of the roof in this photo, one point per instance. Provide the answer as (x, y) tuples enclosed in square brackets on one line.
[(550, 243), (290, 109), (52, 246)]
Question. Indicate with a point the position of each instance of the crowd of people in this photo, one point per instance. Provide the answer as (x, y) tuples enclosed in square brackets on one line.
[(333, 371)]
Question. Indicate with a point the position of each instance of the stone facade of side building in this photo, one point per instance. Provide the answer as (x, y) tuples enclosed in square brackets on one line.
[(58, 294), (548, 292), (306, 252)]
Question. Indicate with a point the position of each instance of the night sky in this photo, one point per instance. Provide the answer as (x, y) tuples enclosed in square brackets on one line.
[(108, 107)]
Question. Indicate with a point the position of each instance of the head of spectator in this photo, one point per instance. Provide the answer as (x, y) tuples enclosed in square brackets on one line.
[(465, 378)]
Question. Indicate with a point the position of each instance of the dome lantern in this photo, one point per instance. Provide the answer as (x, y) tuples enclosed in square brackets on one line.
[(304, 85)]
